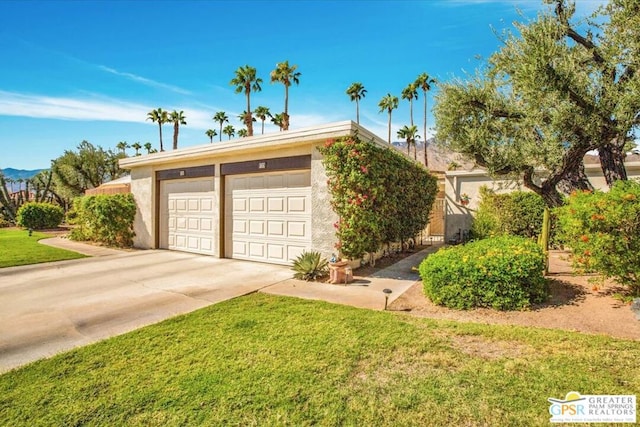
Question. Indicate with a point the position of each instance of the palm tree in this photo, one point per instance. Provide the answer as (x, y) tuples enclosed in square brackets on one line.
[(177, 118), (136, 146), (410, 133), (286, 75), (122, 146), (229, 130), (221, 117), (244, 117), (388, 103), (211, 133), (243, 133), (246, 80), (424, 82), (147, 146), (278, 120), (410, 92), (262, 113), (161, 117), (356, 92)]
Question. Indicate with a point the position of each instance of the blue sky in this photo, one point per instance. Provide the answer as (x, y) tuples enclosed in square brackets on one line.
[(92, 70)]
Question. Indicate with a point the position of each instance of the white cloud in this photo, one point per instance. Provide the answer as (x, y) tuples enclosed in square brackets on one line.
[(144, 80), (48, 107)]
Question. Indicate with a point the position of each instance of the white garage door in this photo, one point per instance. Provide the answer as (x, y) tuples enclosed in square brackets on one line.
[(188, 216), (268, 216)]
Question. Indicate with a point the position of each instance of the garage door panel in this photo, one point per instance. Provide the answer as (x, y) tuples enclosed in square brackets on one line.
[(275, 228), (257, 249), (276, 252), (257, 204), (296, 229), (297, 204), (240, 227), (256, 228), (275, 204)]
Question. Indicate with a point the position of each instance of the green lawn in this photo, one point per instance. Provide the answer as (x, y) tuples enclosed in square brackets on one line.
[(266, 360), (17, 248)]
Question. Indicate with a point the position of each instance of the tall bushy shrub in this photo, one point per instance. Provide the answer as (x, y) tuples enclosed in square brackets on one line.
[(38, 216), (104, 219), (603, 231), (379, 195), (505, 273), (518, 213)]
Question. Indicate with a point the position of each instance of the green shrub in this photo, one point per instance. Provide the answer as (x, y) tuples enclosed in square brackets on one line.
[(104, 219), (38, 216), (379, 195), (518, 213), (310, 266), (603, 231), (505, 273)]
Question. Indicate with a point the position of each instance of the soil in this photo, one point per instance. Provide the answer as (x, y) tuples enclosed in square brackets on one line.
[(576, 304)]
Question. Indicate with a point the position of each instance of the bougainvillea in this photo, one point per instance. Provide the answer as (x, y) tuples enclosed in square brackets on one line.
[(603, 231), (379, 195)]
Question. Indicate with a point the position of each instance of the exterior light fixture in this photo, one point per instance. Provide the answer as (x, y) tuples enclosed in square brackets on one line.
[(387, 292)]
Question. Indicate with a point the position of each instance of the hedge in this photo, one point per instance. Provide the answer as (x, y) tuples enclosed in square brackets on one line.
[(504, 273), (104, 218), (379, 195), (39, 216)]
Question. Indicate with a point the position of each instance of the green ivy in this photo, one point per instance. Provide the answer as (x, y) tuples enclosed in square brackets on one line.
[(603, 231), (379, 195), (104, 219), (505, 273), (38, 216)]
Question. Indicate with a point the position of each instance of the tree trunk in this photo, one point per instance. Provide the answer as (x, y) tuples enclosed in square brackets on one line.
[(612, 161), (357, 112), (547, 191), (575, 180), (285, 114), (175, 136), (389, 127), (426, 163), (160, 126)]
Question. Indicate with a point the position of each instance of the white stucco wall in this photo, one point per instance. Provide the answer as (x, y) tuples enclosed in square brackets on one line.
[(322, 215), (143, 190)]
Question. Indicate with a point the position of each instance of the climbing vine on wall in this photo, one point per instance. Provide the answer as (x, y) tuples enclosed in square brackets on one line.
[(379, 195)]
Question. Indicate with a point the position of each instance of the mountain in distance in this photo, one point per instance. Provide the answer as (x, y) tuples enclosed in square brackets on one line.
[(440, 159), (15, 174), (12, 176)]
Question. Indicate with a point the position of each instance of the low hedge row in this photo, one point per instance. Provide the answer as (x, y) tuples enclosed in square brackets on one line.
[(504, 273), (39, 216)]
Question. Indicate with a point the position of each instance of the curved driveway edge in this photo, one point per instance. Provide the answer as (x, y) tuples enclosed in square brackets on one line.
[(49, 308)]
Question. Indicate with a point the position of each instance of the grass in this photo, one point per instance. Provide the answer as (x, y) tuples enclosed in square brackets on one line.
[(17, 248), (267, 360)]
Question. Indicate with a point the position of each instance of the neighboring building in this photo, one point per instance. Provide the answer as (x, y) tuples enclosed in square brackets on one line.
[(459, 217), (116, 186), (261, 198)]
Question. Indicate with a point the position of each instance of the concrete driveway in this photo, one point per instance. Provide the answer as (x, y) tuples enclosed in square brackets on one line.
[(48, 308)]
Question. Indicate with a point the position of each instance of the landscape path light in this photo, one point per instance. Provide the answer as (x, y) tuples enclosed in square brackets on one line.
[(387, 292)]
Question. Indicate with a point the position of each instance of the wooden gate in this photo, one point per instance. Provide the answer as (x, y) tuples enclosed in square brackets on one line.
[(435, 228)]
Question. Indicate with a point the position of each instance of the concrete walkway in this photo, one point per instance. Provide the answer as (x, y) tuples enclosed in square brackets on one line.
[(364, 292), (81, 248)]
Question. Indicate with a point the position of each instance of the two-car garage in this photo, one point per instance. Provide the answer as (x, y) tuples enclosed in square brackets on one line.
[(267, 216), (262, 198)]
